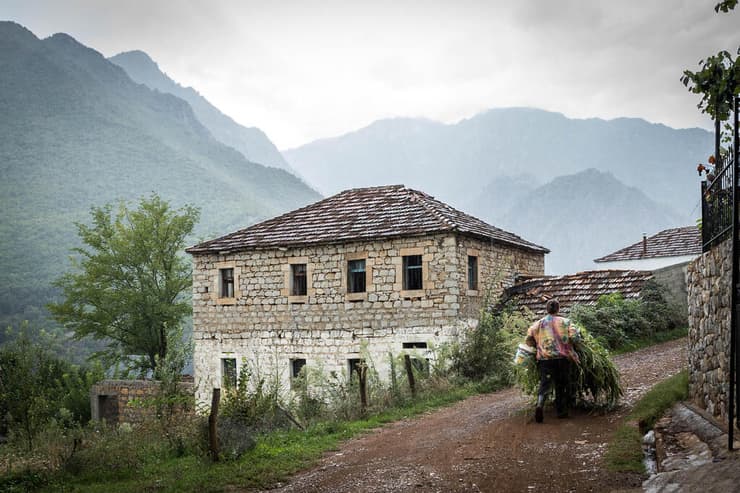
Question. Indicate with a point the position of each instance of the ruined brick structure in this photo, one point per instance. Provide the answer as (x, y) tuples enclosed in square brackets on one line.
[(361, 274), (126, 401)]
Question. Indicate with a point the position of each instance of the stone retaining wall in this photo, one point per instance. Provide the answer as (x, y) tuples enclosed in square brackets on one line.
[(708, 284), (125, 401)]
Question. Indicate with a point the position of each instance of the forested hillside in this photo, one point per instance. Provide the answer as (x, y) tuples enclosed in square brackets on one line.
[(250, 141), (75, 132)]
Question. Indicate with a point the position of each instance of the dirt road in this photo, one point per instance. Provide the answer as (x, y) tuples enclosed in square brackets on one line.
[(491, 443)]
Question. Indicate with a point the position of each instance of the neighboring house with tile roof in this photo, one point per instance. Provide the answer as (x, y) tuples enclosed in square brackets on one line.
[(362, 274), (666, 248), (583, 288)]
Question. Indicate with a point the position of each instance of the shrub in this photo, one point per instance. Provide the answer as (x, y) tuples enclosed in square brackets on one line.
[(617, 322), (257, 406), (37, 388), (486, 352)]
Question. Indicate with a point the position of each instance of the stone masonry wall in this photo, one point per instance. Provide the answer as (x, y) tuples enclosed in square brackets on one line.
[(113, 400), (673, 279), (263, 327), (708, 283)]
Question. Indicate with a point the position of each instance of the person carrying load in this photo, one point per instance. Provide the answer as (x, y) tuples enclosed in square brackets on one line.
[(553, 337)]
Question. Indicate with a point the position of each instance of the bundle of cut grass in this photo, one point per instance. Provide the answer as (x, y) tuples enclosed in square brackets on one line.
[(594, 381)]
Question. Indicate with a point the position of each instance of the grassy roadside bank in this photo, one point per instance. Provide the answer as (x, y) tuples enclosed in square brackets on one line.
[(275, 456), (625, 449)]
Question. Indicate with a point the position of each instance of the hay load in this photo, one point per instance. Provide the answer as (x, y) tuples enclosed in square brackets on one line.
[(594, 380)]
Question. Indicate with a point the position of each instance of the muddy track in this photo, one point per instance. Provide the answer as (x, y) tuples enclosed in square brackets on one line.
[(491, 443)]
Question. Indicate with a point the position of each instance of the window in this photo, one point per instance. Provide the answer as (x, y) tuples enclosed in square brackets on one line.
[(354, 366), (296, 365), (228, 372), (414, 345), (421, 365), (227, 283), (298, 285), (472, 273), (412, 272), (356, 276)]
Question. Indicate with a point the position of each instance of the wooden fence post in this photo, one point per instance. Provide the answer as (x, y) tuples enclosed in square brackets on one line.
[(213, 425), (410, 374), (362, 373)]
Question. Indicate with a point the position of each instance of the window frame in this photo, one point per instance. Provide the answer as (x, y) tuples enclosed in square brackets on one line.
[(225, 373), (352, 366), (426, 283), (473, 273), (287, 290), (226, 282), (217, 283), (473, 252), (298, 272), (358, 277), (301, 362), (369, 288)]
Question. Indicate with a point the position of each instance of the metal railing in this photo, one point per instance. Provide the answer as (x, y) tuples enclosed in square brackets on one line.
[(716, 203)]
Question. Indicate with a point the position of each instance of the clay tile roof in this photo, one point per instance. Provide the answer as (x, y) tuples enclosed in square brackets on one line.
[(583, 288), (668, 243), (362, 214)]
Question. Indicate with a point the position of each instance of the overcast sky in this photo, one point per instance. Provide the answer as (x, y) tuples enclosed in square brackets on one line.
[(303, 70)]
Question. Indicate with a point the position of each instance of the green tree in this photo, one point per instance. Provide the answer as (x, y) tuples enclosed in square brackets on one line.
[(130, 282), (36, 387), (718, 82)]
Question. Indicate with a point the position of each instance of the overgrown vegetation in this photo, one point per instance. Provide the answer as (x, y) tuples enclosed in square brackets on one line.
[(617, 322), (268, 431), (40, 391), (625, 450)]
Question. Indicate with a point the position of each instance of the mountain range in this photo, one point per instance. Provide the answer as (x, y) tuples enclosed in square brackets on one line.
[(79, 130), (76, 131), (526, 169), (250, 141)]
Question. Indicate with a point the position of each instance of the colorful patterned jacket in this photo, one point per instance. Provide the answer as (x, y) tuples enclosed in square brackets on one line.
[(553, 336)]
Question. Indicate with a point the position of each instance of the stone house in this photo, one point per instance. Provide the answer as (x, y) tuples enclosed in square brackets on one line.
[(666, 254), (663, 249), (362, 274)]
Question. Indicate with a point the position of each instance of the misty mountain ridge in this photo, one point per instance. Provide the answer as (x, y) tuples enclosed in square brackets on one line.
[(443, 158), (583, 216), (250, 141), (83, 134), (640, 176)]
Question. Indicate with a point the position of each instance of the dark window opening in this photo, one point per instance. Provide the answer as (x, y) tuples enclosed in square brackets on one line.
[(108, 408), (472, 273), (412, 272), (227, 283), (299, 286), (296, 365), (228, 370), (421, 365), (356, 276), (414, 345), (354, 366)]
